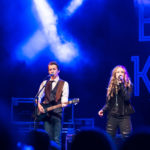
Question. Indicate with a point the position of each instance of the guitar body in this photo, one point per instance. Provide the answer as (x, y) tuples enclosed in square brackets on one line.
[(42, 116), (48, 108)]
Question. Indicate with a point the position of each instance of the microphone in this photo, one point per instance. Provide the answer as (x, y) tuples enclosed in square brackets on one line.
[(50, 75), (121, 78)]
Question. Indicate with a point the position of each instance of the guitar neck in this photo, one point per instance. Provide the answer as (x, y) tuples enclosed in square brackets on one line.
[(57, 106)]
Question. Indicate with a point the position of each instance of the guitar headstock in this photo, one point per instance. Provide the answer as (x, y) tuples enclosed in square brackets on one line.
[(75, 101)]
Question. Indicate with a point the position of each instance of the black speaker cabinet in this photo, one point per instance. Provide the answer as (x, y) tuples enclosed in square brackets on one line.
[(22, 109)]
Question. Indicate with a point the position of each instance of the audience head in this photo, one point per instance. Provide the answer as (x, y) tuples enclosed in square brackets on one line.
[(92, 139), (38, 139), (138, 140)]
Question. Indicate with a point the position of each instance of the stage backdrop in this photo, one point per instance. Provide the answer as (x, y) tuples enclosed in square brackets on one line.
[(87, 39)]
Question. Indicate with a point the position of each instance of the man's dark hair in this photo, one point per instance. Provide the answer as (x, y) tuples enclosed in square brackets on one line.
[(54, 63)]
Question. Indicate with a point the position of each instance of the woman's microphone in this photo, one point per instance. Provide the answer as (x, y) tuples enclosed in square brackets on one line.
[(120, 79)]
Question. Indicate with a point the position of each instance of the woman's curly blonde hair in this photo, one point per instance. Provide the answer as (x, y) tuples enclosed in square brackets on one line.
[(112, 83)]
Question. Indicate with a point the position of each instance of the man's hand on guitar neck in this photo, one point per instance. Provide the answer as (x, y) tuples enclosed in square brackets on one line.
[(40, 108)]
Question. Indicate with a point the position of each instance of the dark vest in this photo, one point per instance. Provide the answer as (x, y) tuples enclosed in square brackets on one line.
[(53, 97)]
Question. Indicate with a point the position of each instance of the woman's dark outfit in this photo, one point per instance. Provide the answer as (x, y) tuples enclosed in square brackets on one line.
[(119, 110)]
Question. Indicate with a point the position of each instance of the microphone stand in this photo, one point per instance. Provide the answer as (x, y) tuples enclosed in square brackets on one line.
[(116, 91), (36, 100)]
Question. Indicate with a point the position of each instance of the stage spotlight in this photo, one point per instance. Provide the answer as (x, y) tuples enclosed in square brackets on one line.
[(73, 5), (63, 50)]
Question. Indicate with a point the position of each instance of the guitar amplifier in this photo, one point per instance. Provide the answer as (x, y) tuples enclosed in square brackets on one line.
[(22, 109), (68, 115), (22, 115)]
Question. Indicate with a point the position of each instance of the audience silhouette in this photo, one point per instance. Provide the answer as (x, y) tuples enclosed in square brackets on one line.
[(92, 139), (38, 139), (138, 140)]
